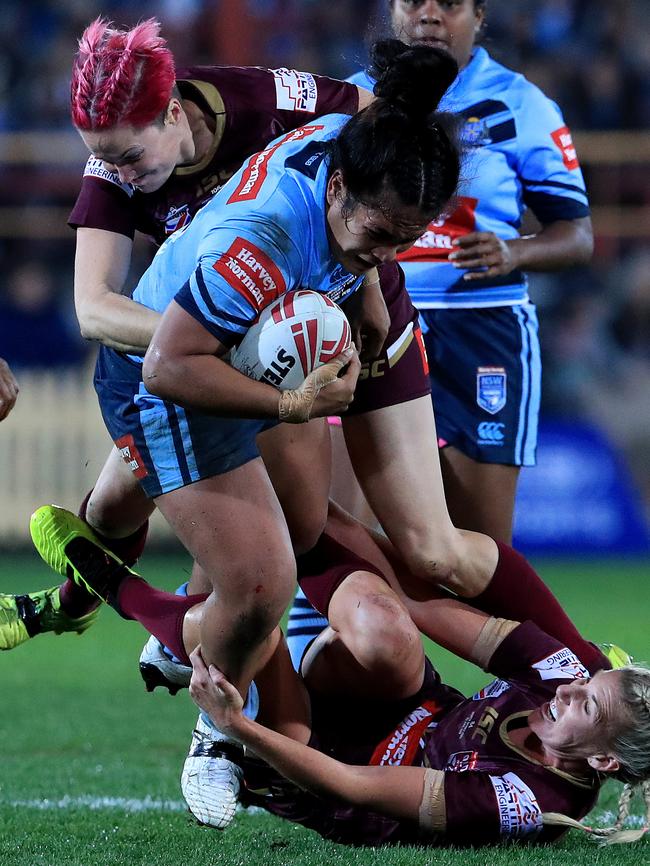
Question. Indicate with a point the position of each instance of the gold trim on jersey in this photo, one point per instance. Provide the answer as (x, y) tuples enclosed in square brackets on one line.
[(400, 345), (580, 781), (213, 98)]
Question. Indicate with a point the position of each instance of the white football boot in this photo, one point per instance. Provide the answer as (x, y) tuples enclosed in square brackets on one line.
[(157, 669), (211, 780)]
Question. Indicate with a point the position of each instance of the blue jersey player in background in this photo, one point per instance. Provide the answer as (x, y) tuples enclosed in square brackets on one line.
[(466, 274)]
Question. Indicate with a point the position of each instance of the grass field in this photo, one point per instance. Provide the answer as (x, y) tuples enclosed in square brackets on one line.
[(91, 762)]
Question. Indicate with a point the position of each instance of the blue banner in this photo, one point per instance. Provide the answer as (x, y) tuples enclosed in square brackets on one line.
[(579, 499)]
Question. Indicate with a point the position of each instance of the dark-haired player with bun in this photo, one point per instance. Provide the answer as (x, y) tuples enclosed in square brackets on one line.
[(320, 208)]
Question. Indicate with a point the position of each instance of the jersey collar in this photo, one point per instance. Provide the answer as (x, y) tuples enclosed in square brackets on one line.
[(212, 97)]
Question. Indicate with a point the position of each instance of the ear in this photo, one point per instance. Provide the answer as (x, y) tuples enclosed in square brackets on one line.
[(480, 19), (604, 763), (173, 111), (335, 188)]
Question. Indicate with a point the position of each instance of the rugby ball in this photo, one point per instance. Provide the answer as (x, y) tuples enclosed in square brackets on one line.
[(294, 335)]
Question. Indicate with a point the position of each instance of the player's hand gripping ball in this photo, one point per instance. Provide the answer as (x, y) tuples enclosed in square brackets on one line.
[(293, 336)]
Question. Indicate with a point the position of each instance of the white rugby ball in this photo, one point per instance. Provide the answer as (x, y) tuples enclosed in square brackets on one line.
[(294, 335)]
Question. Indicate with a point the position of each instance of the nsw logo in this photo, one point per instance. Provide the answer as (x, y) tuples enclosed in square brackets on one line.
[(475, 132), (491, 394), (490, 433)]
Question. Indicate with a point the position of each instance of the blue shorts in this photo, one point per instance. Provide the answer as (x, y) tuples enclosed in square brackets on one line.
[(485, 371), (165, 446)]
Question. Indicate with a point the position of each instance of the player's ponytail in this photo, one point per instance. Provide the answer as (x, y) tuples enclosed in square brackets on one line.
[(617, 834), (412, 79), (399, 147)]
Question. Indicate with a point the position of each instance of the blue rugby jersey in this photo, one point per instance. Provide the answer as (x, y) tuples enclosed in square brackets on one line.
[(519, 155), (262, 234)]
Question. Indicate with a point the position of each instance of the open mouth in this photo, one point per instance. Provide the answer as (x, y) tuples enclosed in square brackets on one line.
[(552, 710)]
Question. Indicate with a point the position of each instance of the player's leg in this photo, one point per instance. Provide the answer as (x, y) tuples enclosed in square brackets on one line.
[(371, 648), (480, 496), (118, 510), (514, 591), (298, 459), (233, 527), (344, 487), (394, 455), (485, 375)]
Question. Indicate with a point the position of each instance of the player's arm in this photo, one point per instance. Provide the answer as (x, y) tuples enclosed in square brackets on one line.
[(184, 365), (365, 97), (553, 188), (101, 266), (555, 246), (368, 316), (8, 389), (394, 791)]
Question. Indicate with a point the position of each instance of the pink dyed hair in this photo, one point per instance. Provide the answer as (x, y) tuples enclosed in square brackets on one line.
[(120, 77)]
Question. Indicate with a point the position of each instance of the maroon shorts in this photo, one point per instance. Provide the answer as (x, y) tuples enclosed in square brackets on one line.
[(325, 567), (401, 372)]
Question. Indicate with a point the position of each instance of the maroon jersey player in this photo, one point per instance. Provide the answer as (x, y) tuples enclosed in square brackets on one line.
[(245, 108), (384, 752)]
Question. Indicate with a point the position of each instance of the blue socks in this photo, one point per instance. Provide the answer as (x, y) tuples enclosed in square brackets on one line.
[(304, 624)]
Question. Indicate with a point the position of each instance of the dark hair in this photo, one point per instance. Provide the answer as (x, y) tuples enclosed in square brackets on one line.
[(399, 145)]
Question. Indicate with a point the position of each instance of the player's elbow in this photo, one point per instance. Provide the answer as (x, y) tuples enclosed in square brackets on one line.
[(89, 324), (157, 373), (583, 241)]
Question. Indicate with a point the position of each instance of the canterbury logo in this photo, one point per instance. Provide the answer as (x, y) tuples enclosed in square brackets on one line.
[(491, 431)]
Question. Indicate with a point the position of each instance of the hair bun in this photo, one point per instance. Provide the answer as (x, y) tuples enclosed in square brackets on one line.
[(412, 78)]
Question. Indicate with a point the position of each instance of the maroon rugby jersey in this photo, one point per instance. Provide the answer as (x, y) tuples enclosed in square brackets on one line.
[(250, 106), (493, 791)]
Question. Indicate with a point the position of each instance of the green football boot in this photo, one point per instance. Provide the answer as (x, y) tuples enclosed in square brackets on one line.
[(24, 616), (616, 656), (70, 547)]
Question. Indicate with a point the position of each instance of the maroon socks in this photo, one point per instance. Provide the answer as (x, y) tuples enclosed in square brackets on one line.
[(77, 601), (161, 613), (517, 592)]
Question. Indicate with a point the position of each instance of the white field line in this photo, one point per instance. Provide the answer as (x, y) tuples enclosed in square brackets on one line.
[(125, 804), (149, 804)]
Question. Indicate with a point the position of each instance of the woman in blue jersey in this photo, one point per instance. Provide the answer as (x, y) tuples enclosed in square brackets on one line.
[(466, 274), (319, 208)]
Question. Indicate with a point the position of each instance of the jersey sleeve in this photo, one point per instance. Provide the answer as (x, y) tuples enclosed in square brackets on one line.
[(103, 201), (552, 182), (242, 268), (483, 808), (529, 654), (300, 95)]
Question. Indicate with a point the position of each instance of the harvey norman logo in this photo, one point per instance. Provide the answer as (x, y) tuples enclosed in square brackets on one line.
[(251, 272)]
